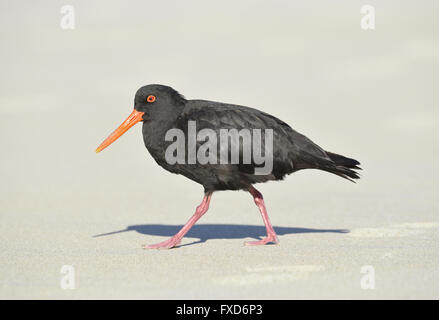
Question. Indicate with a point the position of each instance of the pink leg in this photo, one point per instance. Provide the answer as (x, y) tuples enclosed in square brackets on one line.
[(271, 235), (175, 240)]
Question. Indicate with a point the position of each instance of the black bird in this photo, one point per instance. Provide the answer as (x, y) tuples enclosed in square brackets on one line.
[(162, 109)]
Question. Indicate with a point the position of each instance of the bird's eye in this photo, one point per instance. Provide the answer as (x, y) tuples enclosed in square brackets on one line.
[(150, 98)]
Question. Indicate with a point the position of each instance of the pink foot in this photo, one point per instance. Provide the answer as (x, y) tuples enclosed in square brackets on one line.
[(268, 239), (167, 244)]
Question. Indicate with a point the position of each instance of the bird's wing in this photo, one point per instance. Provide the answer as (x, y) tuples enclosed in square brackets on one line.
[(291, 150)]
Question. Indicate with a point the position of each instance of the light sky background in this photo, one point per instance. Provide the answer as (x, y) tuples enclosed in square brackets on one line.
[(367, 94), (370, 95)]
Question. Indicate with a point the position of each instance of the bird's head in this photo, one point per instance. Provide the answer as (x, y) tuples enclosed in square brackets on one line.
[(152, 102)]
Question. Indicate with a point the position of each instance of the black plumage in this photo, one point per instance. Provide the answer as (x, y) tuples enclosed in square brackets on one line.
[(162, 109), (292, 151)]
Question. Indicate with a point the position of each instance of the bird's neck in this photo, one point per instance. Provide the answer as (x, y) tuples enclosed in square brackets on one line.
[(154, 131)]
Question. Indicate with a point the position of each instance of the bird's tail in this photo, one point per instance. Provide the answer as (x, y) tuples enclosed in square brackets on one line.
[(344, 167)]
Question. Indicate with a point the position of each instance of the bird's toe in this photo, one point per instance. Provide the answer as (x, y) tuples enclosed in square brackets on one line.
[(168, 244), (271, 239)]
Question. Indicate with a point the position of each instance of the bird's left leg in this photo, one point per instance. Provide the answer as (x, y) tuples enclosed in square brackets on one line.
[(175, 240), (271, 235)]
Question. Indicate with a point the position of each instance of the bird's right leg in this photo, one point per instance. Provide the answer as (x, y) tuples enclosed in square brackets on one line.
[(271, 234), (175, 240)]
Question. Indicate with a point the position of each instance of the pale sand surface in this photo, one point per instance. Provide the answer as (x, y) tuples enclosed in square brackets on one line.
[(369, 95)]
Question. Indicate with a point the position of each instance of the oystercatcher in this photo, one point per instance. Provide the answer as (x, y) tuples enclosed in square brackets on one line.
[(163, 111)]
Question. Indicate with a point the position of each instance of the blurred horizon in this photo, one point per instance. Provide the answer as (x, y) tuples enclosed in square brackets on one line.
[(370, 95)]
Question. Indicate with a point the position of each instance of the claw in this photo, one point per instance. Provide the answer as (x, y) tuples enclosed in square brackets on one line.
[(167, 244), (269, 239)]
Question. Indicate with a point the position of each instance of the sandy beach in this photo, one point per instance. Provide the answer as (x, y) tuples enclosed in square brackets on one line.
[(73, 222)]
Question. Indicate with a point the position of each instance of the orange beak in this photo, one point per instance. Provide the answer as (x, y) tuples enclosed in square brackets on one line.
[(132, 119)]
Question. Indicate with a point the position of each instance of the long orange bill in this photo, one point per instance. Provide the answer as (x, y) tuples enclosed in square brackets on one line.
[(132, 119)]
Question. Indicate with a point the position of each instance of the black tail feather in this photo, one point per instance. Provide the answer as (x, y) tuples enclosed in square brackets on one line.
[(340, 160), (344, 167)]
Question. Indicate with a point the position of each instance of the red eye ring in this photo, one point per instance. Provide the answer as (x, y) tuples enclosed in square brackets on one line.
[(150, 98)]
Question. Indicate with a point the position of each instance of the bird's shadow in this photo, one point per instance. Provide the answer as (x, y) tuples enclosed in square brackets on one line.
[(217, 231)]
